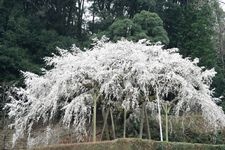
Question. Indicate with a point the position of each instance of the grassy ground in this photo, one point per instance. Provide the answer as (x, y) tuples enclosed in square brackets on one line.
[(133, 144)]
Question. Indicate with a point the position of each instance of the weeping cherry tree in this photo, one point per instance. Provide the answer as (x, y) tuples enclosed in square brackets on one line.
[(127, 73)]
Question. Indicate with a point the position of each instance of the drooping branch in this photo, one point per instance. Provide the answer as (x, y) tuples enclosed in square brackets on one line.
[(122, 72)]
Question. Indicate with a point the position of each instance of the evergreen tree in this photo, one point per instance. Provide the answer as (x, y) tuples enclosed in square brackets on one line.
[(24, 41), (143, 25)]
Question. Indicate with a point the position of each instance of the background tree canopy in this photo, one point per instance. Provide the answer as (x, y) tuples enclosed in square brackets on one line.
[(31, 30)]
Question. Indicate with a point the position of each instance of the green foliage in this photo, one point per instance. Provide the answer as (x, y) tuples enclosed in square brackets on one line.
[(191, 31), (124, 28), (24, 42), (152, 25), (12, 60), (118, 8), (144, 25), (198, 43)]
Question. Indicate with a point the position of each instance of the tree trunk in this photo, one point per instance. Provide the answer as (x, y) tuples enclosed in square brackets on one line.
[(105, 118), (166, 111), (113, 126), (124, 124), (93, 17), (142, 120), (147, 124), (159, 116), (4, 116), (80, 18), (94, 118), (221, 45), (221, 29)]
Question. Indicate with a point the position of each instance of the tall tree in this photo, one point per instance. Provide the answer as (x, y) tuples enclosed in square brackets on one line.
[(24, 40), (143, 25)]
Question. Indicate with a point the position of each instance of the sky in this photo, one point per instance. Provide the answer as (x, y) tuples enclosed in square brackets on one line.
[(223, 4)]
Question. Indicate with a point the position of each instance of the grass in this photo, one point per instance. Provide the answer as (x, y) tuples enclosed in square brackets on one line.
[(133, 144)]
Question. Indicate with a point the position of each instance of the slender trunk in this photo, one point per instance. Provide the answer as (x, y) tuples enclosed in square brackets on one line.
[(93, 17), (105, 118), (220, 53), (147, 124), (159, 116), (3, 102), (4, 117), (142, 120), (80, 18), (70, 134), (166, 111), (5, 135), (113, 127), (107, 131), (90, 138), (124, 125), (94, 118), (68, 21), (221, 46)]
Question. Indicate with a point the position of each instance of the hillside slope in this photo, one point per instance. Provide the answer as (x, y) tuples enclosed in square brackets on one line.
[(133, 144)]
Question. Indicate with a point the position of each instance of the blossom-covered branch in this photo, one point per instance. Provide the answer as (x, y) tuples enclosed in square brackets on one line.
[(125, 72)]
